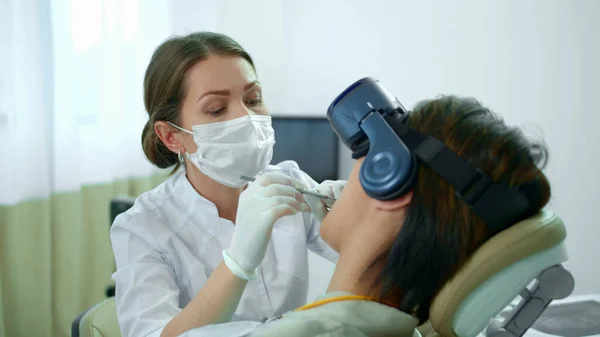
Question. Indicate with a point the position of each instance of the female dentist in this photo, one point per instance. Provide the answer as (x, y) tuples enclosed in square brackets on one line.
[(205, 246)]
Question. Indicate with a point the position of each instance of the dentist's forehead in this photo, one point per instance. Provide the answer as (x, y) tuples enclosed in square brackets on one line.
[(221, 73)]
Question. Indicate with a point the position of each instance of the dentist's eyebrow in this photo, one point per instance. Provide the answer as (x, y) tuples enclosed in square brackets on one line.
[(227, 92), (251, 85), (214, 92)]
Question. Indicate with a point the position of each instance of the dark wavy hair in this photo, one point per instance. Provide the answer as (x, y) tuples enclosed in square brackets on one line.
[(440, 231)]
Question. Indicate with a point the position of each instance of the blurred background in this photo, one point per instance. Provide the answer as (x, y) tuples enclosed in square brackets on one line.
[(71, 112)]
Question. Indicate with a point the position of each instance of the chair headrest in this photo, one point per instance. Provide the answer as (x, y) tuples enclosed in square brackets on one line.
[(496, 273)]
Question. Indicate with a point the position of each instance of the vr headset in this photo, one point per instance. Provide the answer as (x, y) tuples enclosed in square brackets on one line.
[(370, 121)]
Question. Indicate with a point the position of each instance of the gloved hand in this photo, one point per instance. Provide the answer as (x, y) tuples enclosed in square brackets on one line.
[(330, 188), (270, 197)]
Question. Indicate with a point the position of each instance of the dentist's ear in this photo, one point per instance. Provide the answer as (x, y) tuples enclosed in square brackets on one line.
[(395, 204), (170, 136)]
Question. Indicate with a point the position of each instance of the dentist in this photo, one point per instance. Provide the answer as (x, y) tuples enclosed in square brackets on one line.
[(206, 247)]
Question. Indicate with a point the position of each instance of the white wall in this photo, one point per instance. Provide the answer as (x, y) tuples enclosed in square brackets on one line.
[(534, 62)]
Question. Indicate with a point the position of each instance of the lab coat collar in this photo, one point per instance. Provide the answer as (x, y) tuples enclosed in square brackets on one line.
[(190, 196)]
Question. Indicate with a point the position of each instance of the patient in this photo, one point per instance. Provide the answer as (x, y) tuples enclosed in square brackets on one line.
[(396, 255)]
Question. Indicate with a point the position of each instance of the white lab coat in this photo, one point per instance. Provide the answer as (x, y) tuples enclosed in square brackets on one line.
[(168, 244)]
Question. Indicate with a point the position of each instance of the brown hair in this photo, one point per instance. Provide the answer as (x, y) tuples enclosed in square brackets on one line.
[(165, 89), (440, 231)]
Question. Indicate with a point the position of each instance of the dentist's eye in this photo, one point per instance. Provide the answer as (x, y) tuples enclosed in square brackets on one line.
[(254, 102), (216, 112)]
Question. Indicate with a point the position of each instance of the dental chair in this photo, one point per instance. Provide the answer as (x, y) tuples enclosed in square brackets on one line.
[(98, 321), (522, 262)]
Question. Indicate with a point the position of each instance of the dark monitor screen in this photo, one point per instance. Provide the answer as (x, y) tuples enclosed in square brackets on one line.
[(308, 141)]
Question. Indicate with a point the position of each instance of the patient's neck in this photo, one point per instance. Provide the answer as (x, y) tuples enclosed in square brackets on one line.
[(357, 270), (359, 266), (352, 274)]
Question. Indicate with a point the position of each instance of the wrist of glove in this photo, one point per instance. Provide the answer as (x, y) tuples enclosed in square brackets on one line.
[(237, 270), (330, 188), (270, 197)]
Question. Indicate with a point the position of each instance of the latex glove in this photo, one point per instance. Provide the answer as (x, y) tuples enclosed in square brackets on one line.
[(270, 197), (330, 188)]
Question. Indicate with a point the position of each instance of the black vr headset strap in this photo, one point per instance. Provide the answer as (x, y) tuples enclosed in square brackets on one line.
[(499, 205)]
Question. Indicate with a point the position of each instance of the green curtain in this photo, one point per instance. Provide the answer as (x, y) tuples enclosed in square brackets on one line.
[(55, 257), (2, 326)]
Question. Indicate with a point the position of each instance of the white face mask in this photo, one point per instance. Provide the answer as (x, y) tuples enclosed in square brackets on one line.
[(230, 149)]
